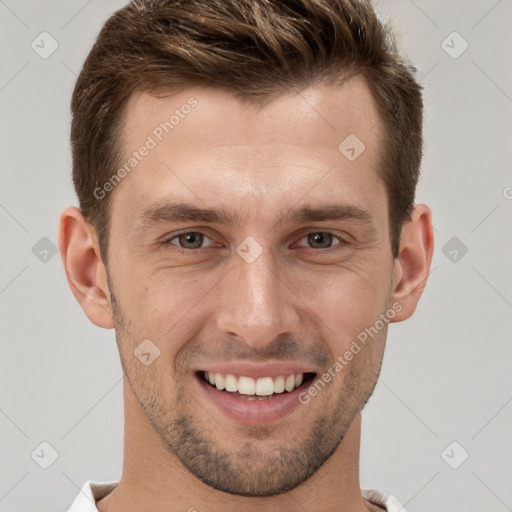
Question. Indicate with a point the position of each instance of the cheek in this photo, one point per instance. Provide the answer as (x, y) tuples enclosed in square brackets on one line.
[(175, 294), (346, 300), (162, 294), (166, 308)]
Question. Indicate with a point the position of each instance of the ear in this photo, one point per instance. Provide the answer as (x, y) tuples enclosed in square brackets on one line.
[(85, 272), (412, 266)]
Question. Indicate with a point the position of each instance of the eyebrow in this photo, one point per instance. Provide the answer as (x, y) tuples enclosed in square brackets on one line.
[(185, 212)]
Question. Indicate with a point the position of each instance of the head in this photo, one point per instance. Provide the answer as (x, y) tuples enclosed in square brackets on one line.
[(296, 129)]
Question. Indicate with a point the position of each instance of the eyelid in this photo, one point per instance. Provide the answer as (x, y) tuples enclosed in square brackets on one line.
[(168, 239), (342, 241)]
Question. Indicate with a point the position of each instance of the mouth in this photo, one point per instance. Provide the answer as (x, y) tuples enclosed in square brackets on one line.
[(251, 393), (263, 388)]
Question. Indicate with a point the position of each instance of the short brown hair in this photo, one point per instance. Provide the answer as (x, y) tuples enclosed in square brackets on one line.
[(256, 50)]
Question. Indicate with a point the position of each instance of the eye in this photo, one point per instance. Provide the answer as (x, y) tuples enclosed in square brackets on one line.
[(321, 239), (189, 240)]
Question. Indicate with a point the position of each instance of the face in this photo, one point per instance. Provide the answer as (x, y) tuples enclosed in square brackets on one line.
[(245, 244)]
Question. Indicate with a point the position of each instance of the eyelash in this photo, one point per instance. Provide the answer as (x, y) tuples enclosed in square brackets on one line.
[(188, 251)]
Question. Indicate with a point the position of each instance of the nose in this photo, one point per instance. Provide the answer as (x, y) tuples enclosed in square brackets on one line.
[(257, 302)]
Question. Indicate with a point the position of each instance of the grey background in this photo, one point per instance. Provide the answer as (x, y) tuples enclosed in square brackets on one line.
[(446, 375)]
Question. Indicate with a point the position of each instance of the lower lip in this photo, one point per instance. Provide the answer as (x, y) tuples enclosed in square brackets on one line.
[(276, 407)]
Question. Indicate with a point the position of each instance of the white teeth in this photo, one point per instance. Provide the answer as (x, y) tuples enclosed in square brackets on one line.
[(231, 383), (279, 384), (246, 386), (264, 386), (219, 381), (289, 383)]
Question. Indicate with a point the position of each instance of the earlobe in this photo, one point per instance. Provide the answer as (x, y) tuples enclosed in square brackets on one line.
[(412, 266), (84, 268)]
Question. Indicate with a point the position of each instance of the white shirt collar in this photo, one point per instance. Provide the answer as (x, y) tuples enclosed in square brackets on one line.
[(91, 492)]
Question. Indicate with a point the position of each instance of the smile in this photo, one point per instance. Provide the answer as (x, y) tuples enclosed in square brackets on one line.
[(250, 388)]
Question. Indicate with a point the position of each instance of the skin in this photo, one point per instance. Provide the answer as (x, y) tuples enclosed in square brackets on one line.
[(301, 300)]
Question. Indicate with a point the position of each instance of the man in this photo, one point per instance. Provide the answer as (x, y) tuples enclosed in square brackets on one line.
[(246, 171)]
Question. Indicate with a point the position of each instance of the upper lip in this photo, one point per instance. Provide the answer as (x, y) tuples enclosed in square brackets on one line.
[(256, 371)]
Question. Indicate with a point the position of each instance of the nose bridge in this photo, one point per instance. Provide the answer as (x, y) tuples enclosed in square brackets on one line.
[(257, 306), (260, 282)]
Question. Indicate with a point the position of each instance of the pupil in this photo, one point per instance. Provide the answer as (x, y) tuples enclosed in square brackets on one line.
[(194, 238), (325, 238)]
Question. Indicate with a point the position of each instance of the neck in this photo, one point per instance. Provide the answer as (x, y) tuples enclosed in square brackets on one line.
[(154, 479)]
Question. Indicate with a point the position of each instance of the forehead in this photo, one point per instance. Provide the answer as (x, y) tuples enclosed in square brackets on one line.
[(224, 119), (204, 145)]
